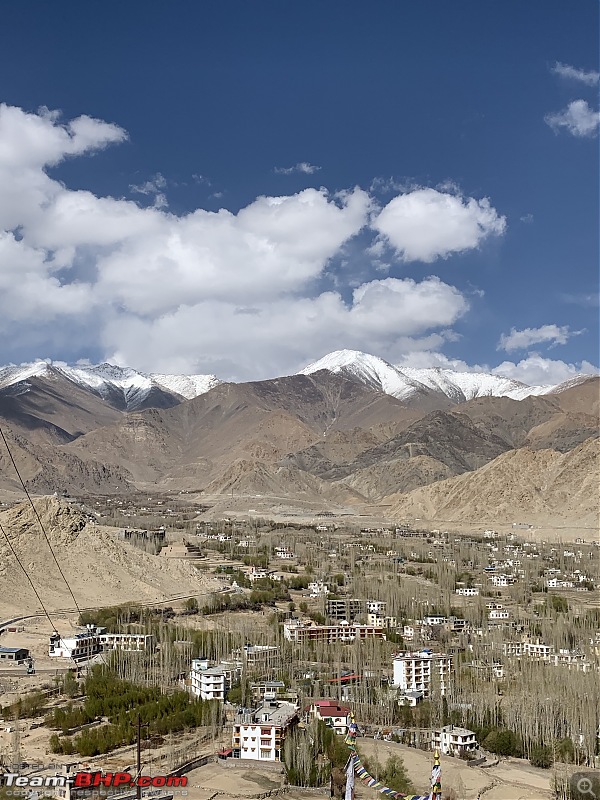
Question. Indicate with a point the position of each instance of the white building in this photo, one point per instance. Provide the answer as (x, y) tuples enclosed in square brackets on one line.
[(376, 606), (467, 591), (80, 647), (454, 741), (284, 553), (210, 683), (331, 713), (379, 621), (498, 614), (434, 620), (129, 642), (317, 589), (421, 671), (502, 581), (259, 735)]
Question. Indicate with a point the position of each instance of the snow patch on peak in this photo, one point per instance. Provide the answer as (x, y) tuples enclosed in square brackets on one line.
[(405, 383), (110, 381), (188, 386)]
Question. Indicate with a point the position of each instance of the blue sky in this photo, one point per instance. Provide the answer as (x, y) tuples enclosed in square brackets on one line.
[(437, 164)]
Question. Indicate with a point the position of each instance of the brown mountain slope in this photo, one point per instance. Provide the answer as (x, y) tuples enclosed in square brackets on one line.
[(445, 436), (400, 475), (53, 410), (582, 397), (538, 422), (197, 439), (525, 485), (101, 569), (257, 478), (48, 469)]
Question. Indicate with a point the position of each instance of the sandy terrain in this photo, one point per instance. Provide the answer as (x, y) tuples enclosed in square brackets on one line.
[(101, 569)]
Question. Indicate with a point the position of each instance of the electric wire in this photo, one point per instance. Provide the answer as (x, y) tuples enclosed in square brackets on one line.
[(14, 463), (63, 576), (32, 584)]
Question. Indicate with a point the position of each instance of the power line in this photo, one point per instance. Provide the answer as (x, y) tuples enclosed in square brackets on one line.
[(38, 518), (27, 575), (35, 591)]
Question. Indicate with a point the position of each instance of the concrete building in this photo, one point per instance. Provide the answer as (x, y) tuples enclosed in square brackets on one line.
[(93, 640), (302, 632), (454, 741), (259, 734), (331, 713), (347, 609), (80, 647), (467, 591), (257, 657), (129, 642), (210, 683), (422, 671), (14, 655)]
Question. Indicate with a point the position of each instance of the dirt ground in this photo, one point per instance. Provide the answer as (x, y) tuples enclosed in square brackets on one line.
[(513, 779)]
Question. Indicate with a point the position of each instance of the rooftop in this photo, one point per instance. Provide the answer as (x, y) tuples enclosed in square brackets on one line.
[(274, 713)]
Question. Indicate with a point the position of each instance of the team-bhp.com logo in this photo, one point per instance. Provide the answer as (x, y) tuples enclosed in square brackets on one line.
[(90, 780)]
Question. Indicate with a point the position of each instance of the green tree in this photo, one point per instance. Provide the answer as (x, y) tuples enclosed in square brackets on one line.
[(541, 756)]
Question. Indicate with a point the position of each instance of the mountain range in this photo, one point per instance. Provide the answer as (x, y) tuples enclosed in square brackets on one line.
[(349, 429)]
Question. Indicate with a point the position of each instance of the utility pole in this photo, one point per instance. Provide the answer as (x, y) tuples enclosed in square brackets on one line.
[(138, 788)]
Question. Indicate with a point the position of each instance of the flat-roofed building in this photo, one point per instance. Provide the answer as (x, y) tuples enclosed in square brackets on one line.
[(259, 734)]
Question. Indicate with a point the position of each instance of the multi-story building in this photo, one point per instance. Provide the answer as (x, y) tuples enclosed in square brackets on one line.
[(302, 632), (130, 642), (331, 713), (422, 671), (378, 620), (348, 609), (454, 741), (318, 589), (258, 735), (376, 606), (80, 647), (93, 640), (467, 591), (498, 614), (257, 657), (210, 683)]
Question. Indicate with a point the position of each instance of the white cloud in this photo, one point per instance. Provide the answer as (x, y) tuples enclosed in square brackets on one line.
[(426, 224), (524, 339), (155, 187), (302, 166), (280, 335), (236, 293), (589, 77), (577, 118), (535, 370)]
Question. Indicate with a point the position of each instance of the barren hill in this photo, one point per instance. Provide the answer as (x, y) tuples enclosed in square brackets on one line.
[(193, 442), (531, 485), (101, 569)]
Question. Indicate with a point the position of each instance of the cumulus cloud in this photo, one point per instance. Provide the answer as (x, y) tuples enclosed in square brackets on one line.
[(302, 166), (577, 118), (427, 224), (237, 293), (589, 77), (535, 370), (524, 339)]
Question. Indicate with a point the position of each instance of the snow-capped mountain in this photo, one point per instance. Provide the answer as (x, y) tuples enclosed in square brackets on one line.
[(126, 388), (408, 383), (119, 385)]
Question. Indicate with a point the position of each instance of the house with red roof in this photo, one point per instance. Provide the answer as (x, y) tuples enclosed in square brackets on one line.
[(331, 713)]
